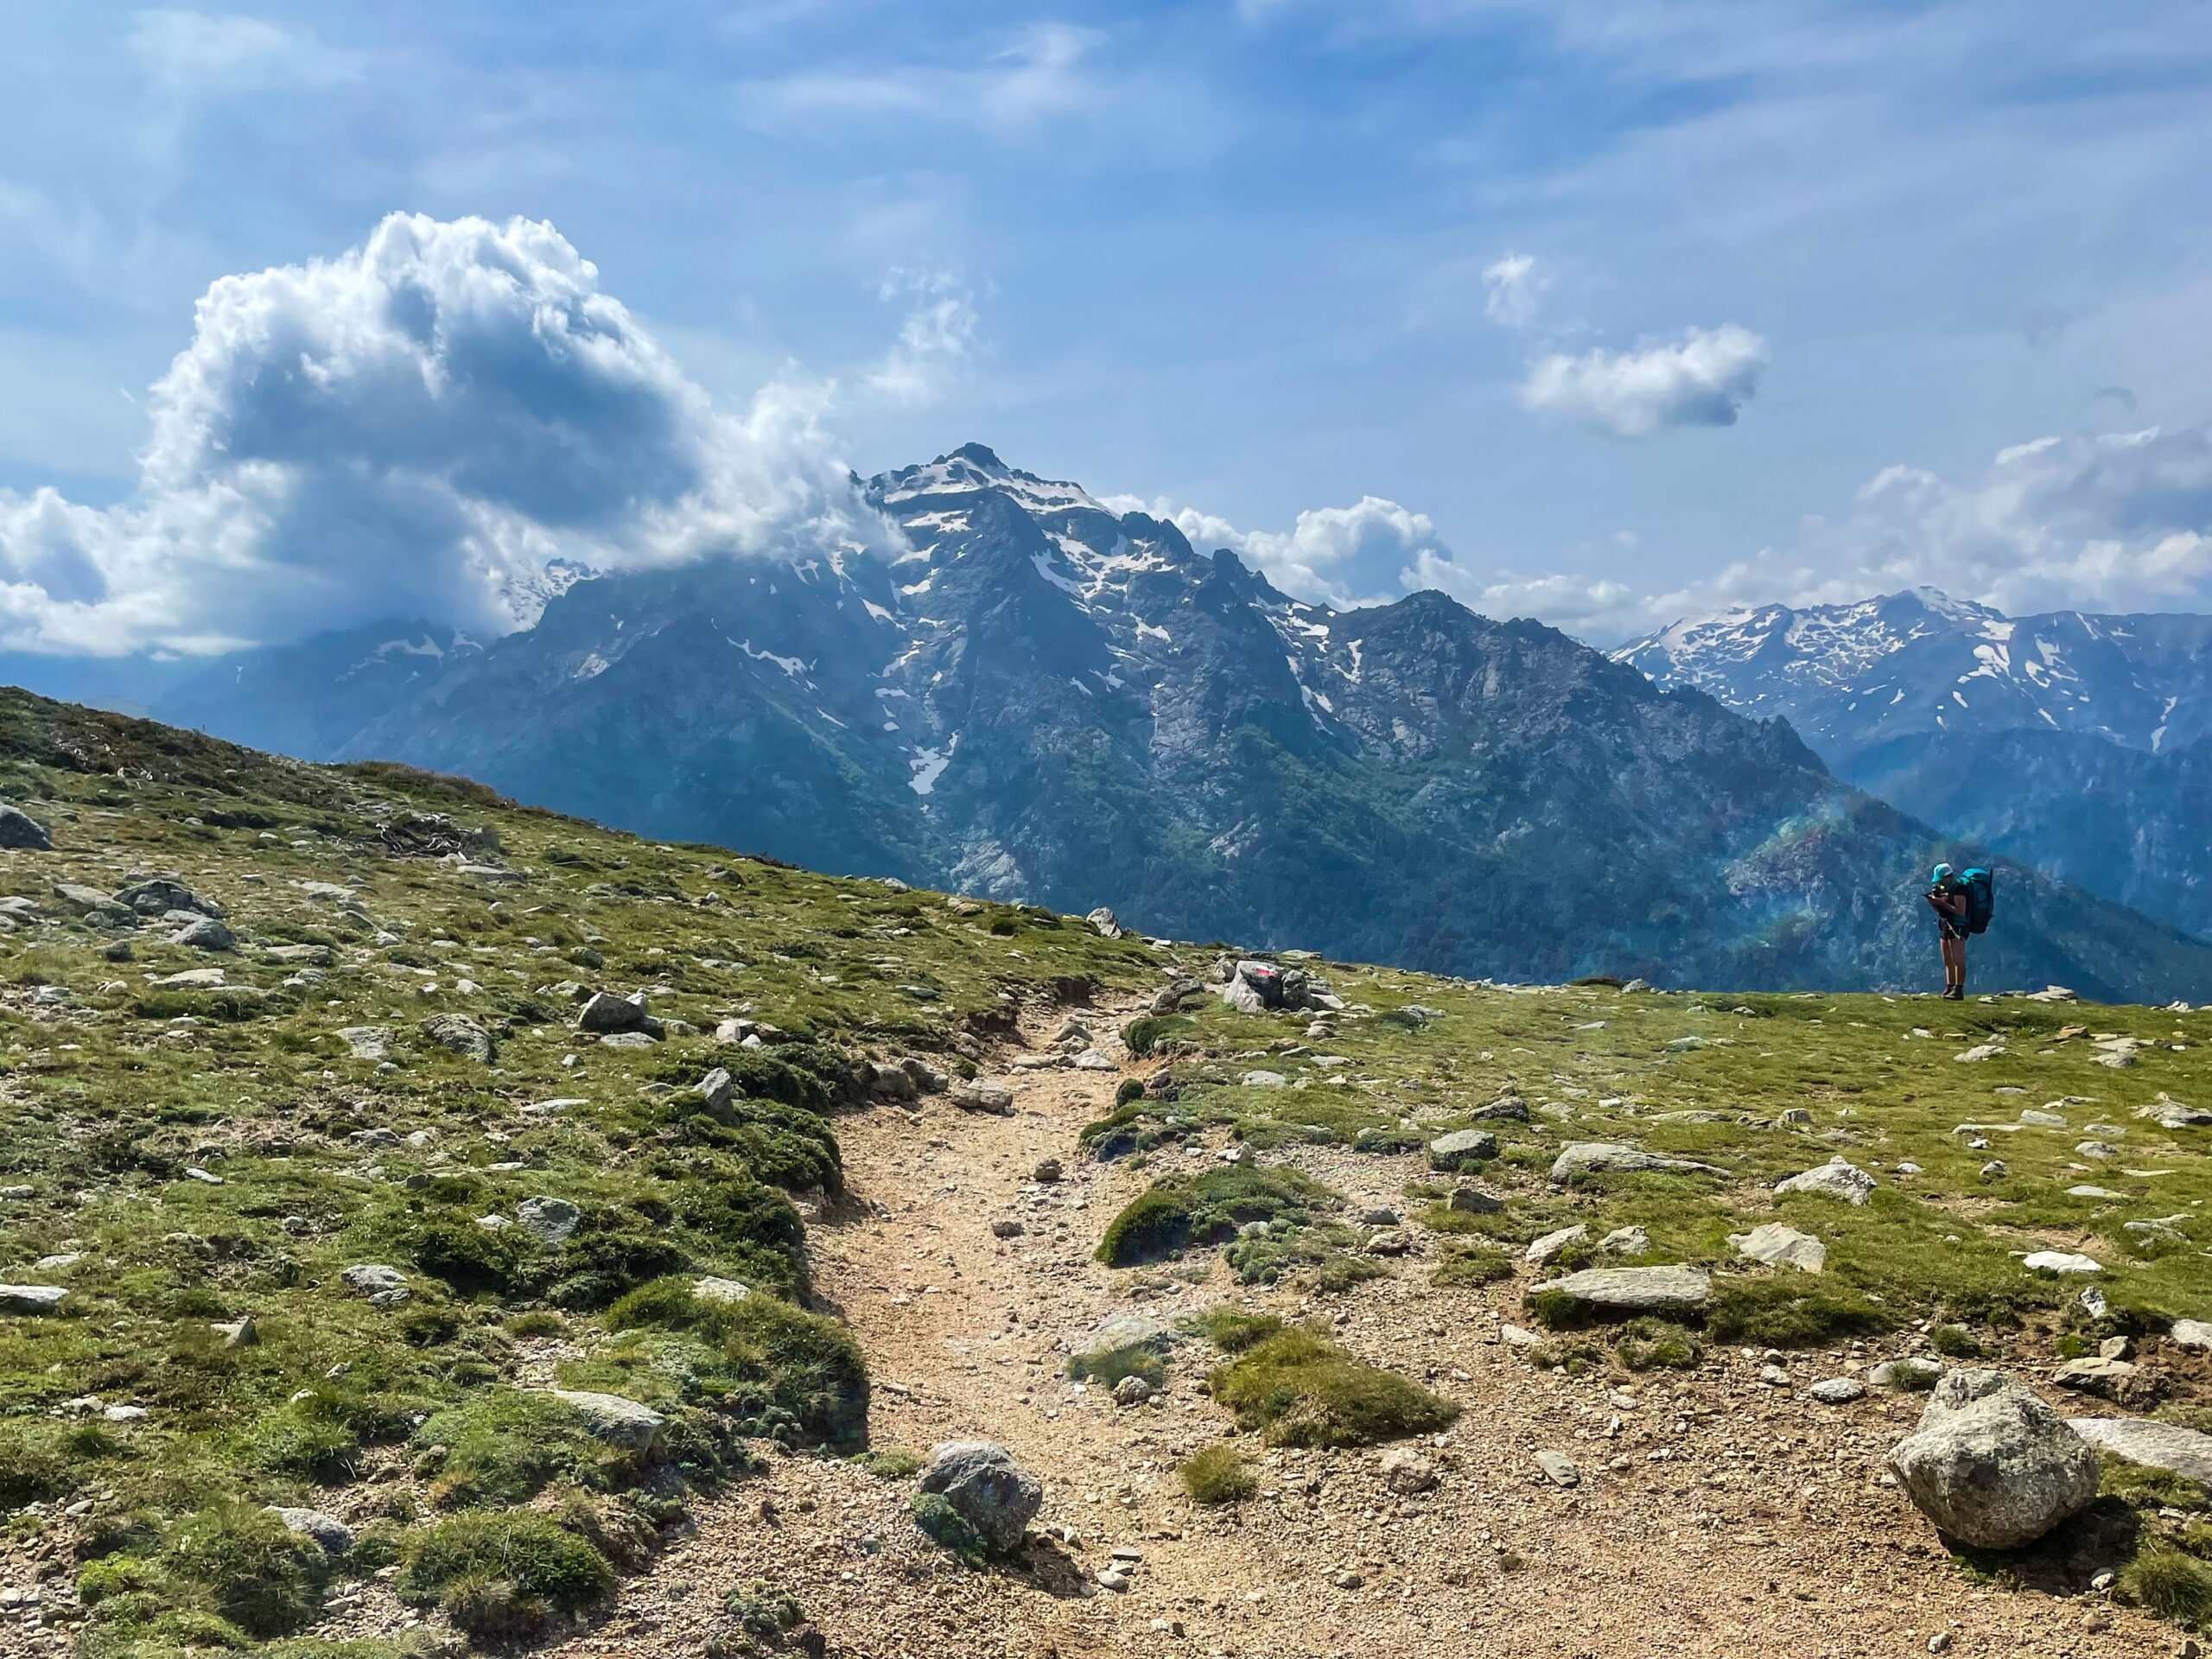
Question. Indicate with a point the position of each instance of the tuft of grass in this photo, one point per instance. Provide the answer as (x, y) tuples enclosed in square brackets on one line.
[(1218, 1474), (1777, 1313), (1172, 1215), (2172, 1584), (1108, 1366), (1472, 1266), (505, 1445), (2148, 1488), (502, 1567), (1955, 1342), (1647, 1344), (945, 1526), (892, 1463), (1231, 1330), (255, 1573), (775, 1367), (1300, 1390)]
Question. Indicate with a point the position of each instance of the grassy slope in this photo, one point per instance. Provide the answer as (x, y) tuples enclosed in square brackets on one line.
[(113, 1091)]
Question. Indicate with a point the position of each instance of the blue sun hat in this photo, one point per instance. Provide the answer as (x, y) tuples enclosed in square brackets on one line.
[(1942, 873)]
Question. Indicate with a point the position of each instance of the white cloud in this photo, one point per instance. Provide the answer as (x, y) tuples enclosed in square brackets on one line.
[(412, 427), (195, 54), (1702, 381), (1332, 556), (1516, 283), (1040, 73), (935, 342)]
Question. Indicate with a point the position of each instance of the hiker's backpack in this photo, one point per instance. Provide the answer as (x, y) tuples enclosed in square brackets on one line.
[(1981, 899)]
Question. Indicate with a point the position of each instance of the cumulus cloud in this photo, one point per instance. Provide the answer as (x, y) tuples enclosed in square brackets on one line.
[(1331, 556), (414, 428), (1516, 285), (1703, 380)]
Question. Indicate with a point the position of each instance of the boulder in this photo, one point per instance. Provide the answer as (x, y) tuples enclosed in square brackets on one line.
[(367, 1042), (2059, 1261), (1132, 1331), (1595, 1157), (159, 895), (612, 1420), (1546, 1250), (1780, 1245), (2158, 1445), (553, 1220), (1505, 1108), (978, 1095), (1633, 1290), (605, 1012), (987, 1489), (458, 1034), (1839, 1178), (1407, 1471), (328, 1530), (21, 832), (1450, 1151), (1103, 921), (1242, 998), (30, 1298), (1837, 1390), (93, 904), (1626, 1241), (205, 933), (1991, 1465), (1132, 1390), (1473, 1201), (891, 1083)]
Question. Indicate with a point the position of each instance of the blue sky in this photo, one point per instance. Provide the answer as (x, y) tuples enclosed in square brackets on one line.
[(1593, 312)]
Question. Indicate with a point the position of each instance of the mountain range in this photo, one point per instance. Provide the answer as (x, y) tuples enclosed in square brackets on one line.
[(1044, 699), (2078, 743)]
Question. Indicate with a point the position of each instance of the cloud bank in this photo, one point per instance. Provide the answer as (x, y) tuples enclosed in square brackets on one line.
[(413, 428), (1703, 380)]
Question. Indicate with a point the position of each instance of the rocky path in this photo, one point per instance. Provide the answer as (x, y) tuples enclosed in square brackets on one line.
[(1718, 1512)]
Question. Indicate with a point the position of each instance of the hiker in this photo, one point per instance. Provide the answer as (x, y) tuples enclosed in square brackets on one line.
[(1962, 904)]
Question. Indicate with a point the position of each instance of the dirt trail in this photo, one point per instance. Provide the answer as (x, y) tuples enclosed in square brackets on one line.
[(1715, 1512)]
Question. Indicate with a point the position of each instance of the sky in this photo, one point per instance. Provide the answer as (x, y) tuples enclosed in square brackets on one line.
[(1605, 313)]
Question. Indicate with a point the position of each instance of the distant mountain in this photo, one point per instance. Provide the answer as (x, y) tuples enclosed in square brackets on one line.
[(1045, 699), (2078, 743)]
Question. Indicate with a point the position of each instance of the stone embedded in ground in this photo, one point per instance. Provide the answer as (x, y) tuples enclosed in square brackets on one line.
[(552, 1220), (1599, 1157), (987, 1489), (1048, 1171), (1264, 1079), (366, 1042), (1449, 1151), (716, 1090), (710, 1288), (1126, 1332), (1991, 1465), (328, 1530), (1544, 1251), (458, 1034), (2060, 1262), (979, 1095), (21, 832), (2158, 1445), (1837, 1391), (1505, 1109), (887, 1082), (1390, 1241), (1625, 1241), (1406, 1471), (1007, 1227), (1559, 1468), (613, 1419), (1633, 1290), (1839, 1178), (1780, 1245), (204, 933), (30, 1298), (2191, 1333), (384, 1286), (1473, 1201), (1131, 1391), (2098, 1373)]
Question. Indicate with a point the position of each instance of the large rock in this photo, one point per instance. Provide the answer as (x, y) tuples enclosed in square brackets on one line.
[(94, 905), (613, 1419), (604, 1012), (1131, 1330), (457, 1034), (159, 895), (1780, 1245), (328, 1530), (553, 1220), (1450, 1151), (980, 1095), (987, 1489), (1633, 1290), (1596, 1157), (366, 1042), (205, 933), (21, 832), (2160, 1446), (30, 1298), (384, 1286), (1104, 921), (1991, 1465), (1839, 1178)]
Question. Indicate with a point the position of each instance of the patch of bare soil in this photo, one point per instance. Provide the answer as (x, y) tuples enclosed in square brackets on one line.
[(1715, 1512)]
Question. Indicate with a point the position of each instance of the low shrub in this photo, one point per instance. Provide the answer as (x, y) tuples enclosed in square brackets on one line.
[(257, 1574), (783, 1368), (1781, 1313), (1172, 1215), (1108, 1366), (1300, 1390), (1233, 1331), (1648, 1345), (1473, 1266), (2172, 1584), (502, 1562), (1218, 1474)]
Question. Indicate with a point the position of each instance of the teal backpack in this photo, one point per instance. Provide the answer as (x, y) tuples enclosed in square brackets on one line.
[(1981, 899)]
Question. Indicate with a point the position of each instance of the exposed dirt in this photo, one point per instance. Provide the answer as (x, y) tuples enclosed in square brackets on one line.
[(1741, 1517)]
